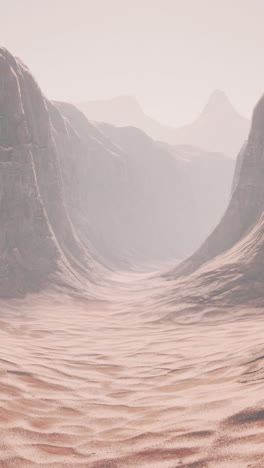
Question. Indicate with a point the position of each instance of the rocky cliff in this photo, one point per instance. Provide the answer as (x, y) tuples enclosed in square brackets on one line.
[(229, 265), (37, 238)]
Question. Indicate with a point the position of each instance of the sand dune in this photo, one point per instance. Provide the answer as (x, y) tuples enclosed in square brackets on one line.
[(104, 392)]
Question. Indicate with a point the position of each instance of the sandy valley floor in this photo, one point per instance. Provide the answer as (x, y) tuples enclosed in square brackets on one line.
[(83, 385)]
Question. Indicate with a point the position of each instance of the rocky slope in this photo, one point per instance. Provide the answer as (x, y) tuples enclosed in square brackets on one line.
[(218, 128), (37, 238), (229, 265)]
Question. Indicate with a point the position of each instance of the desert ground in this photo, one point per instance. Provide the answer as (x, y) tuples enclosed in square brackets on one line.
[(103, 384)]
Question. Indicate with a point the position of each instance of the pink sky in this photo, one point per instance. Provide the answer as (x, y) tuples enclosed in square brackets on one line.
[(170, 54)]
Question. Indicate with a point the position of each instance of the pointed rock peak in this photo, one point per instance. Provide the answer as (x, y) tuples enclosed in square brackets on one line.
[(219, 96), (218, 102)]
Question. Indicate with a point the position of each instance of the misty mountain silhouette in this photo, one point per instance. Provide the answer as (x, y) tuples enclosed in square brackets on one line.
[(219, 127)]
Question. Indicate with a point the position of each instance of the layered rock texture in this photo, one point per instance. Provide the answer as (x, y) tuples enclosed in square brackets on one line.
[(37, 238), (229, 266), (219, 127)]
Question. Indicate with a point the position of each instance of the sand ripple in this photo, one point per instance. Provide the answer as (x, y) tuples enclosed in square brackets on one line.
[(81, 387)]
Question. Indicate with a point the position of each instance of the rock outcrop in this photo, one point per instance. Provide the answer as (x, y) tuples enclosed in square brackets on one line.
[(37, 238)]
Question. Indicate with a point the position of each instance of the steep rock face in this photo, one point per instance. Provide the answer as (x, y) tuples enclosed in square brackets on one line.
[(22, 214), (37, 239), (239, 162), (230, 264)]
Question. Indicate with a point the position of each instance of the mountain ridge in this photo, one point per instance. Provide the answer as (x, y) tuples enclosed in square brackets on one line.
[(218, 127)]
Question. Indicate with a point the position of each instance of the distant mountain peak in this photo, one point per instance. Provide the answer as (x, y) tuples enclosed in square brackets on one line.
[(218, 128), (218, 103), (219, 95)]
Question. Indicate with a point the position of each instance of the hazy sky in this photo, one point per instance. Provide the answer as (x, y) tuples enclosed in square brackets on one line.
[(171, 54)]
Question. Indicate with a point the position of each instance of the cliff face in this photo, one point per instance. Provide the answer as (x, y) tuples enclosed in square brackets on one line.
[(37, 239), (230, 264)]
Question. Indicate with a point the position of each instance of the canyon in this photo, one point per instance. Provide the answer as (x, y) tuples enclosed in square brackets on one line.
[(131, 291)]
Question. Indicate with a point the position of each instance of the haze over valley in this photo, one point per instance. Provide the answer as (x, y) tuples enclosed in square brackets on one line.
[(131, 250)]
